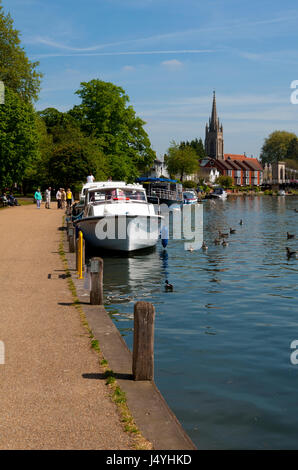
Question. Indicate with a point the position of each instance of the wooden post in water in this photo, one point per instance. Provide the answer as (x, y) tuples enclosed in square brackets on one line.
[(96, 273), (72, 239), (143, 341)]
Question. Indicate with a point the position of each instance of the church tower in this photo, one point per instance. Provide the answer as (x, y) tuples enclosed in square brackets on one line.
[(214, 142)]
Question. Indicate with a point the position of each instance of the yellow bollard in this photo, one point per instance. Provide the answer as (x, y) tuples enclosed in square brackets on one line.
[(80, 255)]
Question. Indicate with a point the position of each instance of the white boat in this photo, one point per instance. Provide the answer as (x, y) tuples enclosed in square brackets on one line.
[(190, 197), (218, 193), (117, 216)]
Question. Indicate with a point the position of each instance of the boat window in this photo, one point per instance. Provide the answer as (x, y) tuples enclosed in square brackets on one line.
[(135, 194)]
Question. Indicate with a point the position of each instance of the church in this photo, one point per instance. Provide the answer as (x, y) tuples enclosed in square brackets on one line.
[(245, 171)]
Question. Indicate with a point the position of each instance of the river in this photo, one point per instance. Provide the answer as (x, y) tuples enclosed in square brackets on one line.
[(222, 337)]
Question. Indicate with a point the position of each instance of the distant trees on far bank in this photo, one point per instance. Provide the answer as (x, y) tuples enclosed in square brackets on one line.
[(281, 146)]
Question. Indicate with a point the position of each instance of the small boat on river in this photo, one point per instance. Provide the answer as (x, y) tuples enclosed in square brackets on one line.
[(218, 193), (117, 216)]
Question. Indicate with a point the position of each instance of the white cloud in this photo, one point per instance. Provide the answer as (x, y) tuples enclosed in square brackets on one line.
[(128, 68), (173, 64)]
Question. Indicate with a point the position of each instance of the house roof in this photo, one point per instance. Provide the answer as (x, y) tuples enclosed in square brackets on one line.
[(253, 163)]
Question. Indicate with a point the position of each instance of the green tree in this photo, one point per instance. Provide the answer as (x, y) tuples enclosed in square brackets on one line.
[(225, 181), (18, 138), (292, 151), (181, 161), (276, 146), (71, 162), (16, 71), (197, 145), (104, 114)]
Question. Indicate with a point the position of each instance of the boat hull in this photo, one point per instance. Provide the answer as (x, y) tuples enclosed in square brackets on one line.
[(121, 233)]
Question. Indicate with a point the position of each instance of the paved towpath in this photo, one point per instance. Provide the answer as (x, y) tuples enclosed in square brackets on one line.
[(45, 402)]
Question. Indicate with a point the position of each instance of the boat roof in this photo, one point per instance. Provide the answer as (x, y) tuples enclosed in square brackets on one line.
[(111, 184), (155, 180)]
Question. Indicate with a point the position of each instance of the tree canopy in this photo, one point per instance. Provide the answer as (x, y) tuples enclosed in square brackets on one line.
[(16, 71), (18, 138), (104, 113), (181, 161), (276, 146), (197, 145)]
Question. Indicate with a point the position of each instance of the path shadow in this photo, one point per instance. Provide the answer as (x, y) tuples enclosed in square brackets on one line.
[(117, 375), (67, 304)]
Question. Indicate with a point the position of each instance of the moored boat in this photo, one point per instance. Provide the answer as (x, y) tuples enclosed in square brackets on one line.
[(117, 216), (162, 190), (218, 193), (190, 197)]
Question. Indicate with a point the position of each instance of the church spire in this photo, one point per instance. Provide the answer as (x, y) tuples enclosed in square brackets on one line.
[(214, 120), (214, 143)]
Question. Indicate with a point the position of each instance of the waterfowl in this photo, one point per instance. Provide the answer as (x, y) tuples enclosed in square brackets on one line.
[(290, 253), (232, 230), (241, 222), (168, 286), (223, 235), (204, 246), (290, 235), (217, 241), (190, 249), (225, 243)]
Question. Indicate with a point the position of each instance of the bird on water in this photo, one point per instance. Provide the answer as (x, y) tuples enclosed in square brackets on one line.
[(204, 246), (290, 235), (232, 230), (168, 286), (241, 222), (291, 253)]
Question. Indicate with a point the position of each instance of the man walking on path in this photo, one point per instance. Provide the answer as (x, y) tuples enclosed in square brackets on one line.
[(58, 197), (48, 198), (52, 394)]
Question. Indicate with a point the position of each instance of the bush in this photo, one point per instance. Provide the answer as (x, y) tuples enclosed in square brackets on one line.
[(189, 184)]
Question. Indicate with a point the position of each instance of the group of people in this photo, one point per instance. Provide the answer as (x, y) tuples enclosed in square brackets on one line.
[(63, 197), (9, 200)]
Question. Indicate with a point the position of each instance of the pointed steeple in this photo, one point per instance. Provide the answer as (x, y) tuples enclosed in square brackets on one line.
[(214, 143), (214, 120)]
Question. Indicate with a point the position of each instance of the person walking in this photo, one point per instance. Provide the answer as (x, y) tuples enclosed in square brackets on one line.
[(38, 198), (69, 198), (48, 197), (58, 197), (63, 198)]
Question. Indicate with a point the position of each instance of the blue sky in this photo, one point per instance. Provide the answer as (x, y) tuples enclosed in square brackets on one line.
[(169, 56)]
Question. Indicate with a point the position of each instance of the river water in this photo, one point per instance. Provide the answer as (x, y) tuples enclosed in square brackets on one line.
[(223, 336)]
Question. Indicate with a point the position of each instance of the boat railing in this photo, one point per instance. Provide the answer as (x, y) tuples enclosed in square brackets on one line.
[(164, 194)]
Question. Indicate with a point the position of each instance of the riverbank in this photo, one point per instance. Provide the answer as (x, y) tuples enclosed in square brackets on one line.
[(49, 398)]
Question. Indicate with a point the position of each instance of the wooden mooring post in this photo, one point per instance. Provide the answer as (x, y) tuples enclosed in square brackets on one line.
[(96, 273), (143, 341), (72, 239)]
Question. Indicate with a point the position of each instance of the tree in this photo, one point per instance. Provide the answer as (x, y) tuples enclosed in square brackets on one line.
[(71, 162), (104, 114), (16, 71), (292, 151), (198, 147), (225, 181), (18, 138), (276, 146), (181, 161)]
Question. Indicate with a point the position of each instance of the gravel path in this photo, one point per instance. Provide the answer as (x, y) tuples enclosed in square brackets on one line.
[(45, 403)]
